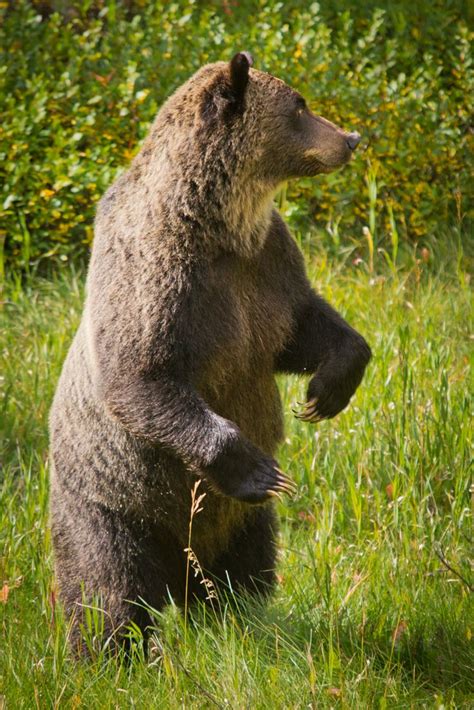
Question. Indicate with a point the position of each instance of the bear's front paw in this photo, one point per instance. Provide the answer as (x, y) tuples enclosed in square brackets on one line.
[(335, 381), (325, 399), (243, 472)]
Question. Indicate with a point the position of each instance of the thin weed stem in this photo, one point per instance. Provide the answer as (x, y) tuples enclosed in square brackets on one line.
[(196, 508)]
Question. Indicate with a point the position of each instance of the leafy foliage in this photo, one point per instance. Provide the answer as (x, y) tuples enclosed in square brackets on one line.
[(80, 83)]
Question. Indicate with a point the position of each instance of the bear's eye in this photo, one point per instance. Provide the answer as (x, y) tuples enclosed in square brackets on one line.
[(300, 106)]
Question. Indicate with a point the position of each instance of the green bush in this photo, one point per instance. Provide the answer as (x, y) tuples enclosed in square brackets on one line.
[(81, 81)]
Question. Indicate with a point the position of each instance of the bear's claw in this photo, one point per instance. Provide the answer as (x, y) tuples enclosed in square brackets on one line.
[(310, 409), (285, 483)]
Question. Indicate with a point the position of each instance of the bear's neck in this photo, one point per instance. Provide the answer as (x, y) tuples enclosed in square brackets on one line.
[(209, 202), (244, 212)]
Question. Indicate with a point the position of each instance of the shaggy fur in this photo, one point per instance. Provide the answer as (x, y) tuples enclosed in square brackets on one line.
[(196, 297)]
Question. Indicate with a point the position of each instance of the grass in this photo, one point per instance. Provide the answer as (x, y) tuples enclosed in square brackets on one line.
[(366, 615)]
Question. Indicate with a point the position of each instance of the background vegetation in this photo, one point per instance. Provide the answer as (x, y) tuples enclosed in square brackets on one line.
[(81, 81), (374, 607)]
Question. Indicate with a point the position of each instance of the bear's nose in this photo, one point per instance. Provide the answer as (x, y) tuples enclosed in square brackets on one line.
[(353, 140)]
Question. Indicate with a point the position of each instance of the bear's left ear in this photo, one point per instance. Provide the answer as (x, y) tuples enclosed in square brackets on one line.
[(239, 73)]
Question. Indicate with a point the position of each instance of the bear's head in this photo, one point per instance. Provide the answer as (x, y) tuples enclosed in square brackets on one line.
[(293, 141), (266, 125), (224, 142)]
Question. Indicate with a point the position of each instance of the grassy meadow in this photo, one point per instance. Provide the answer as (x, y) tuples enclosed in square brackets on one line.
[(373, 606)]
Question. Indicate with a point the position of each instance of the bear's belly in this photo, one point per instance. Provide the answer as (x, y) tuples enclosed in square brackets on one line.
[(252, 402), (245, 327)]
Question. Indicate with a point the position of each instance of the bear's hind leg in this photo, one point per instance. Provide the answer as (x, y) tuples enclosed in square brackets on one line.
[(248, 565), (103, 559)]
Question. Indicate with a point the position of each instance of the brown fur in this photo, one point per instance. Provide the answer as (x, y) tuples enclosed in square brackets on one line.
[(196, 296)]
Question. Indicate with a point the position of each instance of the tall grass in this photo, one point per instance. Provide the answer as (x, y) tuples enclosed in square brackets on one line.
[(373, 607)]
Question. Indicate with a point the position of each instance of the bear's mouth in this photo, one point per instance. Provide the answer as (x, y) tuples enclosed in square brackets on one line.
[(323, 167)]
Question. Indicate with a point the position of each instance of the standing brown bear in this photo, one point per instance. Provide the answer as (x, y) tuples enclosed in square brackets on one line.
[(196, 297)]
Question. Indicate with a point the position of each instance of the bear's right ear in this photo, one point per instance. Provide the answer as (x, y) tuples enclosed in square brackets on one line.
[(239, 74)]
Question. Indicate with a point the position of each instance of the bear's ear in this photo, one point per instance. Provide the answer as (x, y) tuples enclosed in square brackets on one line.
[(239, 73)]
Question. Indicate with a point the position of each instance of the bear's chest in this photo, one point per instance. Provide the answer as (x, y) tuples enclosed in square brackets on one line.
[(244, 319)]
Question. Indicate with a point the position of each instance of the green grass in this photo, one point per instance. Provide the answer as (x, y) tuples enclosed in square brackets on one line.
[(366, 614)]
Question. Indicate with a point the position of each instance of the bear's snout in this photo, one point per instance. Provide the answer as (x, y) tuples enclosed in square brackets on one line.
[(353, 140)]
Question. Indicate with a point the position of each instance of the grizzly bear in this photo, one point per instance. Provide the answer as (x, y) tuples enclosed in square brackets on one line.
[(196, 297)]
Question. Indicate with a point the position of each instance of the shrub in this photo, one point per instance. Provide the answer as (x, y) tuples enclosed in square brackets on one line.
[(81, 81)]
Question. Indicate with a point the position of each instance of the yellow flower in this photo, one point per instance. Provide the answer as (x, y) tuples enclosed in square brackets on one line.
[(47, 194), (141, 95)]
